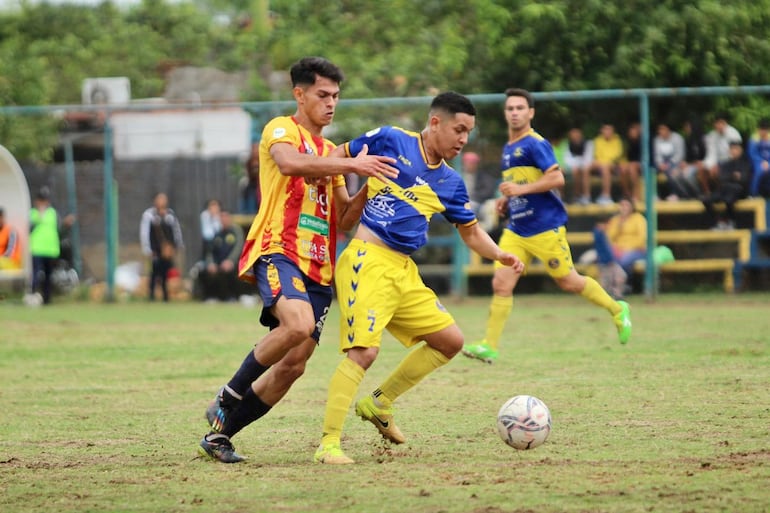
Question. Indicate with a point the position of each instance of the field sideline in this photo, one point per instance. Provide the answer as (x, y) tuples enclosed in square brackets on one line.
[(103, 408)]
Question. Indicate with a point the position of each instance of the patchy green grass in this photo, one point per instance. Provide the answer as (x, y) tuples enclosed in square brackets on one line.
[(103, 409)]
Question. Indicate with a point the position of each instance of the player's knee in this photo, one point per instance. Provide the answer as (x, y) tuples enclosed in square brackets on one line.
[(569, 284), (363, 356), (299, 330), (454, 345), (448, 342)]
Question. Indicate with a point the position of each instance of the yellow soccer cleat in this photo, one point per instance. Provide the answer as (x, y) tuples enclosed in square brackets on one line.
[(331, 454), (382, 418)]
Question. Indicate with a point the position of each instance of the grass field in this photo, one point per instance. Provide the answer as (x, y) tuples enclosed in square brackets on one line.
[(103, 410)]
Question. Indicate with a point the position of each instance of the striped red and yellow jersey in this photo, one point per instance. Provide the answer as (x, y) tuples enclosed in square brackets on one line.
[(295, 219)]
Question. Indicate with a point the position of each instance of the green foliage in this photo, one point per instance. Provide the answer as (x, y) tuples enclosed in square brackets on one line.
[(397, 47)]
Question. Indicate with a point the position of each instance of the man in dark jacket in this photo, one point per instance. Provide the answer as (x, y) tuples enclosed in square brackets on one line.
[(732, 184), (218, 276)]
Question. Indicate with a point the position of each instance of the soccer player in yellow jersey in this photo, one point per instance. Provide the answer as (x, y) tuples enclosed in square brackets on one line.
[(378, 284), (289, 249), (535, 227)]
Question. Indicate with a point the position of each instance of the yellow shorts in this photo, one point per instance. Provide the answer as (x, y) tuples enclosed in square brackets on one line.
[(549, 247), (380, 289)]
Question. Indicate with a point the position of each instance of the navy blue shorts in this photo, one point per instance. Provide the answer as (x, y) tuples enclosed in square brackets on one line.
[(278, 276)]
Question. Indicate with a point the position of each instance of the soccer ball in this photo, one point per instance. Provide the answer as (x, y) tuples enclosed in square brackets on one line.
[(524, 422)]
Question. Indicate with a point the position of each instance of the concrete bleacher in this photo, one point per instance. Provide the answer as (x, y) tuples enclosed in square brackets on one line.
[(698, 249)]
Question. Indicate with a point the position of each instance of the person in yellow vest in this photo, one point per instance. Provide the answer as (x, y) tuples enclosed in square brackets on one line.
[(10, 247), (43, 243)]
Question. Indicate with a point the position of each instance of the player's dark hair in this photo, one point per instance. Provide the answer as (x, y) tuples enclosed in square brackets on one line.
[(522, 93), (306, 70), (453, 103)]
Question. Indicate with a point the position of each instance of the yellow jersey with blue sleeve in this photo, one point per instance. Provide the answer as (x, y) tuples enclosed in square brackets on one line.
[(399, 210), (295, 219), (524, 161)]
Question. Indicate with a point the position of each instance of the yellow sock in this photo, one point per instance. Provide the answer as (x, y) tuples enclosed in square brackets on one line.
[(598, 296), (342, 388), (499, 310), (417, 364)]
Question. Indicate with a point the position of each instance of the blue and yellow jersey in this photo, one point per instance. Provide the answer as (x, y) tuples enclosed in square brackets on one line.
[(295, 219), (524, 161), (398, 211)]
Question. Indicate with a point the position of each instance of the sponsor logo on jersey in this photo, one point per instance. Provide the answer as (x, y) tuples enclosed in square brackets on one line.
[(314, 224)]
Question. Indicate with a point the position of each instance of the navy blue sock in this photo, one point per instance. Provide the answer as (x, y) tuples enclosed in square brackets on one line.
[(241, 381), (249, 409)]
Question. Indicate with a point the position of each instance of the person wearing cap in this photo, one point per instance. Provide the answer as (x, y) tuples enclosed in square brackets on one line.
[(759, 152), (43, 243), (733, 181)]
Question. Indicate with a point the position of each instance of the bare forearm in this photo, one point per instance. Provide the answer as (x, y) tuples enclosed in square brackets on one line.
[(351, 210), (549, 181), (480, 241)]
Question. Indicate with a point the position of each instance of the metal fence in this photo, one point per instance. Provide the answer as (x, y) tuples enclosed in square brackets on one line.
[(108, 195)]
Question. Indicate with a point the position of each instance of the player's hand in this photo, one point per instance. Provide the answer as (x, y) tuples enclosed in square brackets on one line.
[(317, 181), (501, 206), (512, 261), (377, 166), (510, 189)]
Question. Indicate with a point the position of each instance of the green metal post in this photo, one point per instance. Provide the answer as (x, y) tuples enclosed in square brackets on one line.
[(650, 193), (72, 203), (110, 235)]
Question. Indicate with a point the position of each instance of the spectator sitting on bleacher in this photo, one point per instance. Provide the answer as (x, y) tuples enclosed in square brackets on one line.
[(218, 274), (619, 243), (759, 152), (668, 154), (694, 149), (578, 156), (10, 248), (210, 224), (631, 166), (732, 184), (608, 155), (717, 151)]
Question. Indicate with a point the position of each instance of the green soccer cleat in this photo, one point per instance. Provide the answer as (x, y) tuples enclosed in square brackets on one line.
[(480, 351), (382, 418), (331, 454), (218, 447), (623, 322)]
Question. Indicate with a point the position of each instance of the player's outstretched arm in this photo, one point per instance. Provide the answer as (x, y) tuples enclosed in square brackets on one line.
[(480, 242), (290, 162)]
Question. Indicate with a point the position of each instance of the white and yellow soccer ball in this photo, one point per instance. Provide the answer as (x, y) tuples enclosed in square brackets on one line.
[(524, 422)]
